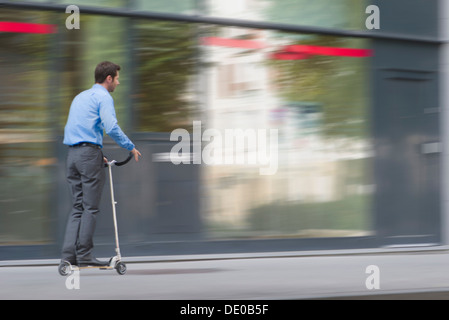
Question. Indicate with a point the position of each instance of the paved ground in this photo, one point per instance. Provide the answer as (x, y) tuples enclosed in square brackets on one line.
[(406, 275)]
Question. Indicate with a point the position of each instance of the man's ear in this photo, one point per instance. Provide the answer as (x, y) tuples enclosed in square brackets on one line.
[(109, 78)]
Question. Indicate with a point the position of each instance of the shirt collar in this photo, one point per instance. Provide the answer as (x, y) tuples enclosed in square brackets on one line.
[(99, 86)]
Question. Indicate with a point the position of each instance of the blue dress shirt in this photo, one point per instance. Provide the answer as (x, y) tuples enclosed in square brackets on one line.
[(91, 112)]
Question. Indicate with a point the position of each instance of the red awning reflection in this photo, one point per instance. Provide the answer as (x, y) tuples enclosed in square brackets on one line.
[(329, 51), (22, 27), (291, 52)]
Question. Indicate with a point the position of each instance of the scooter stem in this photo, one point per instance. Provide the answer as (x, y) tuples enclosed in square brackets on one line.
[(114, 213)]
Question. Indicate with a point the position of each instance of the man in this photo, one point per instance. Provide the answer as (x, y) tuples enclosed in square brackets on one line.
[(91, 112)]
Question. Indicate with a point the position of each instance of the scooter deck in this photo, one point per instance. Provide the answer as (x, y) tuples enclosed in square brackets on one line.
[(93, 267), (65, 268)]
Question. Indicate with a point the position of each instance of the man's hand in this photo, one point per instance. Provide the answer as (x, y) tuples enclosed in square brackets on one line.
[(136, 154)]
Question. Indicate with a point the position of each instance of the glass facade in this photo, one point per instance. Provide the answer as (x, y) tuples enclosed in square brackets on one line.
[(96, 3), (305, 87), (79, 54), (25, 133), (166, 65), (171, 6), (342, 14), (318, 103)]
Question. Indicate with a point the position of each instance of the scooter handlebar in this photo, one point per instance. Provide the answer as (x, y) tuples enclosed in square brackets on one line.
[(121, 163)]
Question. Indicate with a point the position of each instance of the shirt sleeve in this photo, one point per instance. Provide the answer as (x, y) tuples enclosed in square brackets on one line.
[(110, 125)]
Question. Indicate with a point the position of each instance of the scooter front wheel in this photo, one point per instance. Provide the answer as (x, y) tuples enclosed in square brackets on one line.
[(121, 268)]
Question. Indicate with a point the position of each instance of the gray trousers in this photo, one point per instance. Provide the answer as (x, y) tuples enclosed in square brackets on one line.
[(86, 176)]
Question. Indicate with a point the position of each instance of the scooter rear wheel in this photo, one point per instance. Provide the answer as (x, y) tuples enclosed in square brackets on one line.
[(121, 268)]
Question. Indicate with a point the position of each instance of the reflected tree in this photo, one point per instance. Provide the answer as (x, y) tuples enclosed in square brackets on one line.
[(166, 55)]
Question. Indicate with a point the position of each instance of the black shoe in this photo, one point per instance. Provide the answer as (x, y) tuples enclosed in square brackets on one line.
[(93, 262), (73, 262)]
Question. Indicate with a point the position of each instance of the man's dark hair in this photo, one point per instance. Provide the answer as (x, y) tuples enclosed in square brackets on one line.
[(105, 69)]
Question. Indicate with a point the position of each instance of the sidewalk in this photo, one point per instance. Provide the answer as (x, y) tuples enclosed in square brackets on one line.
[(403, 273)]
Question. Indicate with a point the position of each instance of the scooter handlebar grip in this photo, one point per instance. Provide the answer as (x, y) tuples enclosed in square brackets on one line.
[(122, 163)]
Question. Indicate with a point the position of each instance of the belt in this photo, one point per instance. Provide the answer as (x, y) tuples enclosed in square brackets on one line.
[(85, 144)]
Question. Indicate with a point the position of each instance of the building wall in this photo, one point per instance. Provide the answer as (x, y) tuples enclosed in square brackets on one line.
[(333, 188)]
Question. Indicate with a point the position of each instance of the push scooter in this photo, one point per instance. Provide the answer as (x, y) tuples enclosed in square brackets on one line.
[(66, 268)]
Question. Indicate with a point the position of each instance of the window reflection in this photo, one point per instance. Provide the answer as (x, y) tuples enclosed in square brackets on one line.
[(341, 14), (304, 86), (317, 99), (166, 74), (25, 133)]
